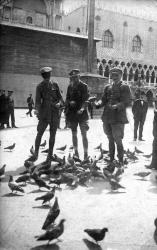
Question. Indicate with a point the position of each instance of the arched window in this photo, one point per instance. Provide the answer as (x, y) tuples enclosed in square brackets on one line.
[(136, 44), (29, 20), (107, 39)]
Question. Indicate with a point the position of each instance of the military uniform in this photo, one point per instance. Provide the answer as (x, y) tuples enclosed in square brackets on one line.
[(139, 110), (116, 98), (47, 96), (77, 95)]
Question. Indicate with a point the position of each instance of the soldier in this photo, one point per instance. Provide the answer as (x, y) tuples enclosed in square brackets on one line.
[(30, 103), (116, 98), (139, 110), (47, 104), (153, 164), (76, 110), (10, 109)]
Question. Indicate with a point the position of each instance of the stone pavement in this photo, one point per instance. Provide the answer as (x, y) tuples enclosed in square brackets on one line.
[(129, 215)]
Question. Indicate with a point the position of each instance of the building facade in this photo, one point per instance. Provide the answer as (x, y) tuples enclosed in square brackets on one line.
[(31, 38), (128, 34)]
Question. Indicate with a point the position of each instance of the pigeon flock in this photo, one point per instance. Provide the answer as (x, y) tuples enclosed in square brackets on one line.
[(72, 172)]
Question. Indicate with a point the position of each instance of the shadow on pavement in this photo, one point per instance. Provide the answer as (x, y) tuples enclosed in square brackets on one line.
[(42, 207), (46, 247), (91, 245), (12, 195), (96, 187), (37, 191), (153, 190), (116, 192)]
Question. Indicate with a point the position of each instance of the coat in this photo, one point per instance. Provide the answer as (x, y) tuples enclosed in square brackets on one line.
[(139, 111), (119, 95), (79, 94), (47, 96)]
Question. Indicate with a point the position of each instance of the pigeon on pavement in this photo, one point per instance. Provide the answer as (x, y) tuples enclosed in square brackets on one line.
[(62, 148), (10, 147), (52, 215), (53, 233), (13, 186), (47, 197), (97, 234), (142, 174)]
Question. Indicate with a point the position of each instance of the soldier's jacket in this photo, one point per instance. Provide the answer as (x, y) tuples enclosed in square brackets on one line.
[(116, 94), (79, 94), (47, 96)]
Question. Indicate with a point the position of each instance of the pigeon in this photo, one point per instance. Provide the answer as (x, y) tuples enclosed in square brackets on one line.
[(70, 160), (99, 146), (97, 234), (142, 174), (53, 233), (76, 159), (43, 144), (2, 170), (32, 150), (23, 178), (45, 151), (13, 186), (138, 151), (52, 215), (148, 156), (115, 185), (10, 147), (62, 148), (57, 181), (71, 147), (39, 181), (47, 197)]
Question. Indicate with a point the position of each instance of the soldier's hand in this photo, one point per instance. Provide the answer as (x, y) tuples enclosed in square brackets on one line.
[(80, 111), (114, 106), (58, 105)]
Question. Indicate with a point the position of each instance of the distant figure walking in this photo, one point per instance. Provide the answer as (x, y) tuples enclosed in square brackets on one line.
[(10, 109), (139, 110), (30, 103)]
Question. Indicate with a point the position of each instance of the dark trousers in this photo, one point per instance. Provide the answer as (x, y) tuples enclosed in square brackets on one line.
[(11, 113), (138, 124), (29, 111), (115, 133), (83, 124), (42, 125), (154, 154)]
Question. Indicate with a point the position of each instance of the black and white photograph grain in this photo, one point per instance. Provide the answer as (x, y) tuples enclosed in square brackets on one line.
[(78, 124)]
